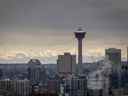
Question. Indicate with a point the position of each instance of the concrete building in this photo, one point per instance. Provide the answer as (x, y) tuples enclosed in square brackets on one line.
[(50, 89), (66, 64), (73, 87), (114, 55), (22, 87), (7, 87), (35, 71), (15, 87)]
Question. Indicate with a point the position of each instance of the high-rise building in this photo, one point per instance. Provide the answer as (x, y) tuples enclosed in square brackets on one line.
[(15, 87), (66, 64), (22, 87), (114, 55), (35, 71), (50, 89), (7, 87), (73, 87)]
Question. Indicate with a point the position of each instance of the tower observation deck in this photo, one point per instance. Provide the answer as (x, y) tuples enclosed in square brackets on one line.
[(80, 35)]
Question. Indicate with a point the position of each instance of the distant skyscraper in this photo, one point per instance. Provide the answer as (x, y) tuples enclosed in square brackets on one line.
[(35, 71), (66, 64), (114, 55)]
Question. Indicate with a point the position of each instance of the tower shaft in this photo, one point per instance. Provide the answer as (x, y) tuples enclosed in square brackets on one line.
[(80, 60), (80, 35)]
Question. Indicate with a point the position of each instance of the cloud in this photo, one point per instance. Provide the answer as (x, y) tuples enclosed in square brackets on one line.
[(62, 14), (17, 58), (34, 24), (20, 56)]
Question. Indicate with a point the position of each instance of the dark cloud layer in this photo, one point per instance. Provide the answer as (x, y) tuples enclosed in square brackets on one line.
[(31, 22), (57, 14)]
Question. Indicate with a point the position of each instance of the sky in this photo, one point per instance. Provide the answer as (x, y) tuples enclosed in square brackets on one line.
[(44, 29)]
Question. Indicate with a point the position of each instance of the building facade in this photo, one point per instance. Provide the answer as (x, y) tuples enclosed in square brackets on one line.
[(73, 87), (22, 87), (36, 72), (15, 87), (114, 55), (66, 64), (7, 87)]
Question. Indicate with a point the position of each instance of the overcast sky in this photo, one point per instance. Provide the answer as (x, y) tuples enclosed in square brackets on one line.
[(44, 28)]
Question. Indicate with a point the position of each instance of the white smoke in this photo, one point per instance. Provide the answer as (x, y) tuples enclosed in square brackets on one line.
[(96, 79)]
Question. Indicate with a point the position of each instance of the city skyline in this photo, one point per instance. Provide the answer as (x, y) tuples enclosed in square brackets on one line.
[(44, 29)]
